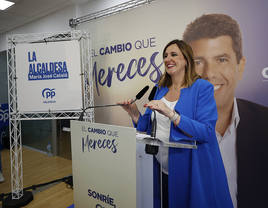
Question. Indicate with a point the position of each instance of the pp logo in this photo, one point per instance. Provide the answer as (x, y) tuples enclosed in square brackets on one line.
[(265, 73), (3, 115), (48, 93)]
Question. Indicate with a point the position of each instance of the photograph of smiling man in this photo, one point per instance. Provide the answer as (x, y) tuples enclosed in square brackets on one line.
[(241, 131)]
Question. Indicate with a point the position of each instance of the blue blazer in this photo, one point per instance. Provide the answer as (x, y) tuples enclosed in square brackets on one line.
[(196, 176)]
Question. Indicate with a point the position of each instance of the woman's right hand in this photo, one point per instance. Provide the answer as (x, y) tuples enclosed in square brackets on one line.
[(131, 108)]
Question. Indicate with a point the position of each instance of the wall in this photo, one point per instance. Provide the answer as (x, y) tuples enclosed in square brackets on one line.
[(59, 21)]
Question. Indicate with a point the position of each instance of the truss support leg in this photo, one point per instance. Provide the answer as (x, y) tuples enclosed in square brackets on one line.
[(8, 202)]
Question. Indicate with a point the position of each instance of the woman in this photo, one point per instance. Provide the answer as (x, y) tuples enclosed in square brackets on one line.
[(186, 111)]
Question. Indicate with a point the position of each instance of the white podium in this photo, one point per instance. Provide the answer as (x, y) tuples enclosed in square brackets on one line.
[(110, 166)]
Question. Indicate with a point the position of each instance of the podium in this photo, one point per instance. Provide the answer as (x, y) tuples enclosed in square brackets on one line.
[(110, 166)]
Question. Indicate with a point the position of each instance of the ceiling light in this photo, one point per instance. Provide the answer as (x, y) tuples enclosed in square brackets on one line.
[(5, 4)]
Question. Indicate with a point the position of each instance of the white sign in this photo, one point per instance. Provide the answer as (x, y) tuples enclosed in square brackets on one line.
[(48, 76), (104, 165)]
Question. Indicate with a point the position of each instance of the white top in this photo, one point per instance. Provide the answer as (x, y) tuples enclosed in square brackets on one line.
[(227, 144), (162, 133)]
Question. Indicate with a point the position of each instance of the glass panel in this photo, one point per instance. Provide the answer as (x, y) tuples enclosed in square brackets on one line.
[(64, 139), (38, 134), (3, 77)]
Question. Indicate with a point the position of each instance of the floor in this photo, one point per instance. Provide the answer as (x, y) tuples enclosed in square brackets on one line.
[(40, 168)]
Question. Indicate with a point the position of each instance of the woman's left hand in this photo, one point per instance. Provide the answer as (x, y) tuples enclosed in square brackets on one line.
[(160, 107)]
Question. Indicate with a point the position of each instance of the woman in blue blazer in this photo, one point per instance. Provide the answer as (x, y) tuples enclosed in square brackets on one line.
[(186, 112)]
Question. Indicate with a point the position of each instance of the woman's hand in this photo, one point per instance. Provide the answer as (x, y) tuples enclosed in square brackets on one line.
[(131, 108), (160, 107)]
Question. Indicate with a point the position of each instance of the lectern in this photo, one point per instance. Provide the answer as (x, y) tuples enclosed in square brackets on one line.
[(110, 167)]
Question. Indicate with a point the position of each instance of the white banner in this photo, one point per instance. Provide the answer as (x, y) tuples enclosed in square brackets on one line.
[(104, 165), (48, 76)]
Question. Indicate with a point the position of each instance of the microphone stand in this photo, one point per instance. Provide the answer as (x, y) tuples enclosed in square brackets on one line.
[(154, 124), (152, 149), (138, 96), (100, 106)]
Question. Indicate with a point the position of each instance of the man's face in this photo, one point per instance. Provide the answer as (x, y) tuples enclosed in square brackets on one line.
[(216, 62)]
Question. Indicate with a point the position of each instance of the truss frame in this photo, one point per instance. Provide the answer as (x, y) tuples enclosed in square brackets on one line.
[(108, 12), (15, 117)]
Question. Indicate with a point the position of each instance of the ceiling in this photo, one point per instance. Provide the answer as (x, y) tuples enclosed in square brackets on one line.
[(25, 11)]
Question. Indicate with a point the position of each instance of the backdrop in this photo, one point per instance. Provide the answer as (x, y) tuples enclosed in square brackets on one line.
[(127, 49)]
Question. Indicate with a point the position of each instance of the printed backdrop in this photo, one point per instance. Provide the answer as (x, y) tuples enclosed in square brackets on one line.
[(127, 49), (48, 76)]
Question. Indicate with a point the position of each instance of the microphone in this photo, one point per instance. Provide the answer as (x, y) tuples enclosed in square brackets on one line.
[(152, 93), (142, 92), (138, 96), (152, 149)]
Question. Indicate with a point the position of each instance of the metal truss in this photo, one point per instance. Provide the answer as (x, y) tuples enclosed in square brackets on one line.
[(45, 37), (15, 117), (48, 115), (107, 12), (86, 61)]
